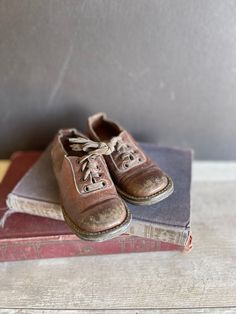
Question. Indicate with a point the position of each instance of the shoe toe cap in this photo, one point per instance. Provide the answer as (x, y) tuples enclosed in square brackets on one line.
[(103, 216), (147, 185)]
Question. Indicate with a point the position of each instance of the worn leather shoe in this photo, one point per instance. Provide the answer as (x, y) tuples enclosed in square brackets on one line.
[(91, 206), (138, 179)]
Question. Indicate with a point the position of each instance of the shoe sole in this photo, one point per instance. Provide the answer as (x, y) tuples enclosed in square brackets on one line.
[(101, 235), (149, 200)]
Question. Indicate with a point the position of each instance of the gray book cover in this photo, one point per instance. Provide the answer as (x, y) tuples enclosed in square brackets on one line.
[(169, 220)]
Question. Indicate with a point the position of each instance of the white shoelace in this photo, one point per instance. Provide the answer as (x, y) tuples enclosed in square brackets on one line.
[(94, 149)]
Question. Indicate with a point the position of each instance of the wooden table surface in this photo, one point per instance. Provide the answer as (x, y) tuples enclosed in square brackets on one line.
[(202, 281)]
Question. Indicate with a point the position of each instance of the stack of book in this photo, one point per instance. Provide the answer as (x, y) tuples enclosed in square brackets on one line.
[(32, 223)]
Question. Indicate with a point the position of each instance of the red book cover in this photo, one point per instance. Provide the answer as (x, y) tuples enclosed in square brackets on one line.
[(31, 237), (20, 163)]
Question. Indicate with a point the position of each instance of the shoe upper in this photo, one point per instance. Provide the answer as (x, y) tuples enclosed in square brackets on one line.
[(87, 191), (131, 169)]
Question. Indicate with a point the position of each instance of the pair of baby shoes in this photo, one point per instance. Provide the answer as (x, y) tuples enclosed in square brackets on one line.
[(96, 172)]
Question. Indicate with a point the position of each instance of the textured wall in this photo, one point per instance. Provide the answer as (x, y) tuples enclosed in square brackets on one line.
[(165, 69)]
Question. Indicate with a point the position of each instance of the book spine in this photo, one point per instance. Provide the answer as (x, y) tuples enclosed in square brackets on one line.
[(155, 232), (70, 245), (138, 228), (33, 207)]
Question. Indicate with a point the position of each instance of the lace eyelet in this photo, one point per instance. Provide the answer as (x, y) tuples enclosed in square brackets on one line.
[(140, 160), (103, 183), (86, 189), (126, 165)]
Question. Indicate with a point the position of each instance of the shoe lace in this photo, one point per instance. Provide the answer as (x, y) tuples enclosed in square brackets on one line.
[(92, 149), (126, 153)]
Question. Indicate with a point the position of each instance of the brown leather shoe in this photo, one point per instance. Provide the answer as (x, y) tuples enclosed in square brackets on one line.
[(138, 179), (91, 205)]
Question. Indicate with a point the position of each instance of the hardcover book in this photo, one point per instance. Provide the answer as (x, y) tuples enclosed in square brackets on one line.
[(20, 163), (31, 237), (168, 221), (69, 245)]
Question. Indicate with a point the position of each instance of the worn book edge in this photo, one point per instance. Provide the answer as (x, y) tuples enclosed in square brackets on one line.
[(17, 204), (68, 245)]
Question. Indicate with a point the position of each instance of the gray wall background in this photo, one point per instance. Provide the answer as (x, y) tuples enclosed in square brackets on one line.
[(165, 69)]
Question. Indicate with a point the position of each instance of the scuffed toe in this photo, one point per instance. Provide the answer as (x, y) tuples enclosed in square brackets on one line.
[(147, 186), (104, 216)]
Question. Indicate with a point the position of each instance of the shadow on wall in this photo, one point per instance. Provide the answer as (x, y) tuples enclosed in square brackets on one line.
[(41, 128)]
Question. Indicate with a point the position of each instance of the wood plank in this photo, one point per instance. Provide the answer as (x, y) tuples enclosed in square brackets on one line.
[(206, 277), (135, 311), (212, 171)]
